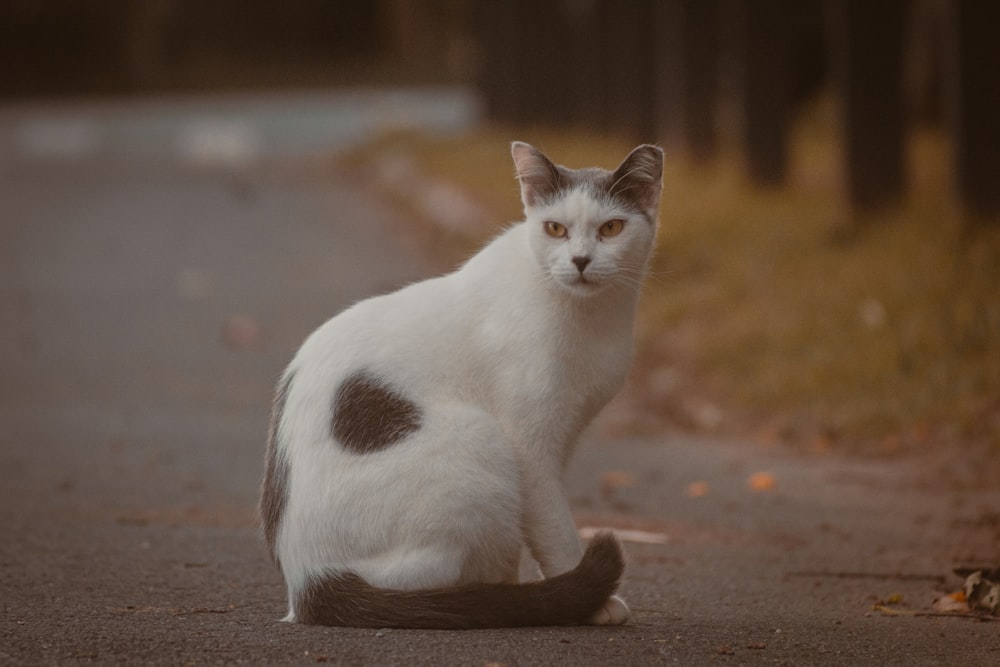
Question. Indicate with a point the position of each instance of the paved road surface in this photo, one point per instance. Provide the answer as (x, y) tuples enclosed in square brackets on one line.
[(149, 297)]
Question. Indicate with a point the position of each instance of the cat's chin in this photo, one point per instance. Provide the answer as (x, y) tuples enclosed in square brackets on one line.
[(582, 287)]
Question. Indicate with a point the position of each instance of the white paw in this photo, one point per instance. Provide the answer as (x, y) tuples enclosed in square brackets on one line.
[(614, 612)]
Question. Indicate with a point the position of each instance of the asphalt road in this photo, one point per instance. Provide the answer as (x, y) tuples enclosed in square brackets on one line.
[(149, 299)]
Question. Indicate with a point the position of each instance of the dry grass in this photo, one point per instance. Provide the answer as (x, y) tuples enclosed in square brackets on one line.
[(766, 312)]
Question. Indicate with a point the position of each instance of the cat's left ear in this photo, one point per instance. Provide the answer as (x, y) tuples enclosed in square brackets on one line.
[(638, 180), (540, 179)]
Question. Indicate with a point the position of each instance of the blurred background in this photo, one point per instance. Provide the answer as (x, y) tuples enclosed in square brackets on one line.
[(189, 187), (688, 73), (829, 259)]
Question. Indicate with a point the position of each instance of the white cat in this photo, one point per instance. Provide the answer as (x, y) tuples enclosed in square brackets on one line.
[(419, 438)]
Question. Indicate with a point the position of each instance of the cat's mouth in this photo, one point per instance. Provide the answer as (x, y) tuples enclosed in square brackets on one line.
[(584, 285)]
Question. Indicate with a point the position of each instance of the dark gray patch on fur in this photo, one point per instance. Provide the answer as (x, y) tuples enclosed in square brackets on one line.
[(274, 490), (633, 186), (369, 416), (568, 599)]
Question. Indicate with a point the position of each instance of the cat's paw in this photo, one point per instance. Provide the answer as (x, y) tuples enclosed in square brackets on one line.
[(614, 612)]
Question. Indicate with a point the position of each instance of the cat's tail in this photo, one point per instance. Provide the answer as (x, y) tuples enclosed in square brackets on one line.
[(568, 599)]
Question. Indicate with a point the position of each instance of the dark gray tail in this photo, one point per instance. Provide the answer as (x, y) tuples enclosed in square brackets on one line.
[(568, 599)]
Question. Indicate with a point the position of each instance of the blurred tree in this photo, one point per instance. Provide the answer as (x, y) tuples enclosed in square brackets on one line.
[(584, 49), (144, 26), (629, 66), (527, 72), (113, 46), (867, 48), (974, 103), (687, 71), (496, 24), (923, 67), (766, 81), (569, 62), (60, 46), (431, 36), (546, 67)]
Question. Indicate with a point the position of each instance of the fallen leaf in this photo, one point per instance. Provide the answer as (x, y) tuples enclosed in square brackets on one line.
[(982, 592), (697, 489), (761, 481), (613, 480), (889, 611), (895, 598), (955, 602)]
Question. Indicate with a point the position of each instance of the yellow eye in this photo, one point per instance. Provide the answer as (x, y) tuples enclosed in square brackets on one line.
[(611, 228), (554, 229)]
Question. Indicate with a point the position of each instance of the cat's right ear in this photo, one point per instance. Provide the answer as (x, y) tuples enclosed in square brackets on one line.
[(539, 178)]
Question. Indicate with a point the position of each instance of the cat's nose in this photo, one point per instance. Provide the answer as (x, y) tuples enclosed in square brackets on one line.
[(581, 262)]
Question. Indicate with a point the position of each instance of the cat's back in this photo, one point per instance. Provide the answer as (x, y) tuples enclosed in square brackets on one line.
[(430, 316), (377, 321)]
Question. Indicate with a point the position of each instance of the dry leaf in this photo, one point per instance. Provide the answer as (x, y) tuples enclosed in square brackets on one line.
[(982, 593), (697, 489), (613, 480), (952, 603), (761, 481)]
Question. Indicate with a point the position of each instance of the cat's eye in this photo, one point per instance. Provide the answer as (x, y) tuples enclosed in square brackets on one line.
[(555, 229), (611, 228)]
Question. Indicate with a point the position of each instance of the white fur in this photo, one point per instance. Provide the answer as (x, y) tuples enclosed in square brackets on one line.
[(508, 358)]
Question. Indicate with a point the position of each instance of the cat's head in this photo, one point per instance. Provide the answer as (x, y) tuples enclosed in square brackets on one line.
[(591, 229)]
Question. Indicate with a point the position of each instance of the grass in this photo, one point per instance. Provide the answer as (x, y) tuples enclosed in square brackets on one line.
[(766, 311)]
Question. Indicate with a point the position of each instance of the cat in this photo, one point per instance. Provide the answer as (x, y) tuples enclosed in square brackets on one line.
[(418, 439)]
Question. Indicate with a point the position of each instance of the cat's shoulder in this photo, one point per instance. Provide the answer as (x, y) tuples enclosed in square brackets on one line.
[(508, 247)]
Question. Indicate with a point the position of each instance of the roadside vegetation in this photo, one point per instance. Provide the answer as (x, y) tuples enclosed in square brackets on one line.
[(773, 312)]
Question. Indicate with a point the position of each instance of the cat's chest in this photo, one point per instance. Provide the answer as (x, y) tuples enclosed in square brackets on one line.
[(540, 376)]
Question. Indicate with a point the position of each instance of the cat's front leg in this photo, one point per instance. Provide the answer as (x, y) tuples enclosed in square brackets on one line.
[(553, 540), (549, 529)]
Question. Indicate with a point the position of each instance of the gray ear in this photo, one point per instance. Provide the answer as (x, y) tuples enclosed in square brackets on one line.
[(639, 178), (540, 179)]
